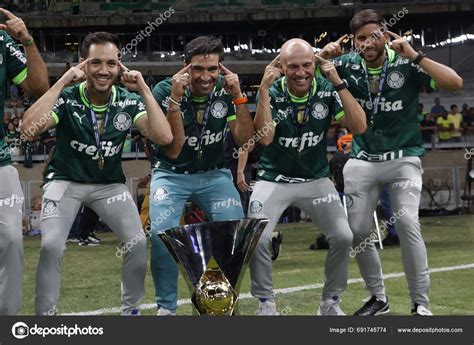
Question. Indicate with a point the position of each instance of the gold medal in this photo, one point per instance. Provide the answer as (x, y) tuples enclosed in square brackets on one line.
[(101, 163)]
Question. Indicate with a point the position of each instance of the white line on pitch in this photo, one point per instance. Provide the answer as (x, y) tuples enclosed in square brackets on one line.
[(283, 291)]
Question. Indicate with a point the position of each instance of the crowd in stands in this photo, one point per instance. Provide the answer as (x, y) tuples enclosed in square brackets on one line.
[(440, 125), (449, 125)]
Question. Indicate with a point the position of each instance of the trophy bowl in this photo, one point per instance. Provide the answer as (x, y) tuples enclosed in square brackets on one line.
[(212, 257)]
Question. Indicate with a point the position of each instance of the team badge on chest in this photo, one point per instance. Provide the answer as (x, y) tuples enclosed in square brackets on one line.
[(395, 80), (122, 122), (219, 109), (320, 111)]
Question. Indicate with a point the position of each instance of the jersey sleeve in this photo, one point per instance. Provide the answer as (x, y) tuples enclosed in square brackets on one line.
[(273, 105), (59, 109), (15, 61), (161, 92), (140, 109), (231, 111), (336, 109), (426, 83)]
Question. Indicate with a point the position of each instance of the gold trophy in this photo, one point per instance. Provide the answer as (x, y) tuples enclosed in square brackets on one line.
[(212, 257)]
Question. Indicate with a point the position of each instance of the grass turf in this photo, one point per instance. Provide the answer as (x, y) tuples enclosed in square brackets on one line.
[(91, 275)]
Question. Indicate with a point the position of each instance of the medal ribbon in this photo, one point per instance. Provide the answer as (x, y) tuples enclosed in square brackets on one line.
[(97, 134), (205, 117), (376, 100), (294, 113)]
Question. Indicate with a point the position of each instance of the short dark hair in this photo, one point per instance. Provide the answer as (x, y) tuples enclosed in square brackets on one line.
[(453, 106), (203, 45), (97, 38), (365, 17)]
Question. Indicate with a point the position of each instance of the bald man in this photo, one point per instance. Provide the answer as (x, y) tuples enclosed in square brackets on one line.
[(293, 115)]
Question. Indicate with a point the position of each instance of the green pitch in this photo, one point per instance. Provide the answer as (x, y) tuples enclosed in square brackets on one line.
[(91, 275)]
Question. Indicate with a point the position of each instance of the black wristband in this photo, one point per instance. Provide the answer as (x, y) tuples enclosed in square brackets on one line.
[(419, 57), (341, 86)]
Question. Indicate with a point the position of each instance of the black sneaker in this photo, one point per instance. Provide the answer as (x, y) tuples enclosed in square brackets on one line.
[(277, 239), (320, 244), (88, 242), (391, 241), (93, 238), (420, 310), (373, 307)]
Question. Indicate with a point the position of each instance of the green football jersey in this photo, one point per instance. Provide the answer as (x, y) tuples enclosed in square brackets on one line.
[(13, 67), (221, 111), (76, 157), (298, 151), (393, 131)]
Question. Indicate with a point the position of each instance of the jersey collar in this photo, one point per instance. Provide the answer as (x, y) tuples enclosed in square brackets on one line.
[(85, 100), (294, 98)]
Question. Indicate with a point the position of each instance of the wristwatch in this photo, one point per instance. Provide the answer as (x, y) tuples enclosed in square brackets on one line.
[(341, 86), (419, 57)]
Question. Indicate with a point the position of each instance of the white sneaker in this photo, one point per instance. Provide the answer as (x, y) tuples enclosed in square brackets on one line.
[(267, 308), (420, 310), (165, 312), (330, 307)]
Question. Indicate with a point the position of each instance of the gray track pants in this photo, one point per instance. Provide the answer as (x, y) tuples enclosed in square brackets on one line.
[(11, 241), (114, 205), (321, 201), (363, 183)]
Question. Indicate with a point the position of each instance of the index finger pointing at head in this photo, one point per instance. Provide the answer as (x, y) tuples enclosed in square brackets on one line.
[(81, 64), (122, 66), (7, 13), (394, 35), (320, 59), (225, 69), (276, 61), (185, 69), (341, 39)]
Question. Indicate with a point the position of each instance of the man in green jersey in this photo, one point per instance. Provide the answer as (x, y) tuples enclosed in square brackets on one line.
[(92, 120), (386, 82), (200, 104), (294, 114), (30, 74)]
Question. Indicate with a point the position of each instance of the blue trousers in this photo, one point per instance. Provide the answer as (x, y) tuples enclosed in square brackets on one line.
[(213, 191)]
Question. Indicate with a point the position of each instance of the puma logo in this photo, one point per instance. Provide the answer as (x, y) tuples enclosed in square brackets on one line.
[(356, 79), (79, 117)]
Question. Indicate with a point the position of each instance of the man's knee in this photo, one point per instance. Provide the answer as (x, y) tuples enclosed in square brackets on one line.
[(52, 247), (341, 239)]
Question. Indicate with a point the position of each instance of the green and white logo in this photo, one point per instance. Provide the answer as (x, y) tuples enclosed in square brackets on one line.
[(122, 122), (256, 206), (320, 111), (395, 80), (219, 109)]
